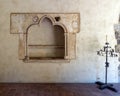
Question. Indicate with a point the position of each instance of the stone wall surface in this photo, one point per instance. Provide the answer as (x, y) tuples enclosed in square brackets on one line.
[(97, 19)]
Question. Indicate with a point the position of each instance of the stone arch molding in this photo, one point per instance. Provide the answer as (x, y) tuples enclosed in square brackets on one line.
[(63, 26)]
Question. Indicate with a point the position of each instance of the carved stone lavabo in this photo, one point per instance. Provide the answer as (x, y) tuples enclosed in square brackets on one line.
[(46, 37)]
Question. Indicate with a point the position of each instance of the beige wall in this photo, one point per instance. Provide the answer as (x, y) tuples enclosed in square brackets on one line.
[(97, 20)]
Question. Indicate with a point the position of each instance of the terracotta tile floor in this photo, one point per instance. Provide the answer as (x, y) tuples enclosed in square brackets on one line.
[(54, 89)]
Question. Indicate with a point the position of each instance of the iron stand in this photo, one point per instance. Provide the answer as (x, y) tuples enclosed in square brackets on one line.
[(107, 52)]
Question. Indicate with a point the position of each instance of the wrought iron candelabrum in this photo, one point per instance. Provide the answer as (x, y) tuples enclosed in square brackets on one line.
[(107, 51)]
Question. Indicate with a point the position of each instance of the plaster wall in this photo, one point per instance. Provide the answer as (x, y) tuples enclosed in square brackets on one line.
[(97, 20)]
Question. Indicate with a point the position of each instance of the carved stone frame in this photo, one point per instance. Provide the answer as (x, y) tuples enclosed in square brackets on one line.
[(21, 26)]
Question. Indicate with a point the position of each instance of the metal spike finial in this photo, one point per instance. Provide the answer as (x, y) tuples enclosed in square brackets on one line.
[(106, 38)]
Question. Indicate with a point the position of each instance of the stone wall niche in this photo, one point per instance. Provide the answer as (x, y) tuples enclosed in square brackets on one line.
[(46, 37)]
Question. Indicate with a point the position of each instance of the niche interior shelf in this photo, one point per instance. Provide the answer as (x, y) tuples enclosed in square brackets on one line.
[(46, 37)]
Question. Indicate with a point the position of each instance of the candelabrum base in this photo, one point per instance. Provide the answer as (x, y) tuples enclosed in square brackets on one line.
[(104, 86)]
